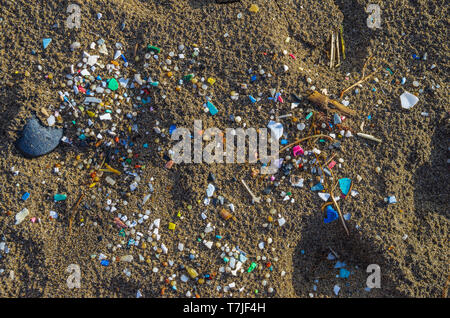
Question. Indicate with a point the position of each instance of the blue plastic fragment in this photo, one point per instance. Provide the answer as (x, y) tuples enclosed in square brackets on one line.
[(343, 273), (340, 264), (392, 199), (345, 184), (252, 99), (332, 215), (253, 78), (46, 42), (25, 196), (172, 129), (317, 187), (104, 262), (146, 100), (284, 141), (337, 119)]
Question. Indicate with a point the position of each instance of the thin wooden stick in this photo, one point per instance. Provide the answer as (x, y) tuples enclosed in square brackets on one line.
[(365, 65), (340, 214), (342, 42), (337, 49), (135, 49), (332, 51), (323, 101), (360, 81), (74, 210)]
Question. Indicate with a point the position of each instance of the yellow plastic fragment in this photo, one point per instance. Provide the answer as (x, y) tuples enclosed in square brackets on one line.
[(111, 169), (254, 8)]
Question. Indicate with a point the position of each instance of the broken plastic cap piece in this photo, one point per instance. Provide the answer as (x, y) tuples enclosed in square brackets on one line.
[(276, 129), (408, 100)]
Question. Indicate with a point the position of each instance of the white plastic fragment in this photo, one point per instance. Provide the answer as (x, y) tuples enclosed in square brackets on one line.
[(105, 116), (21, 216), (324, 196), (336, 289), (281, 221), (408, 100)]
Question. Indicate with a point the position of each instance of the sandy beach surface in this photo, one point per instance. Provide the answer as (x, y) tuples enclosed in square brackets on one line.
[(249, 47)]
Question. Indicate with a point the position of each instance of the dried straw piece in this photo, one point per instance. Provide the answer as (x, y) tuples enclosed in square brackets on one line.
[(323, 101)]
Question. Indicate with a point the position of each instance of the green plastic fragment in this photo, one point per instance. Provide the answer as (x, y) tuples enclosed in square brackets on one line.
[(154, 48), (252, 267), (309, 115), (113, 85), (188, 77), (128, 160), (59, 197)]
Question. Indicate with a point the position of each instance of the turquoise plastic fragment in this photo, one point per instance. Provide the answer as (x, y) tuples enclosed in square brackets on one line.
[(212, 109), (345, 184), (59, 197), (46, 42)]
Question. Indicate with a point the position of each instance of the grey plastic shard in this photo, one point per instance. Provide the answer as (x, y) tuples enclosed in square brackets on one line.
[(92, 100), (37, 140)]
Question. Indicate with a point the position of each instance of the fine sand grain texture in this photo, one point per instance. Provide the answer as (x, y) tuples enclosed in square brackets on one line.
[(412, 157)]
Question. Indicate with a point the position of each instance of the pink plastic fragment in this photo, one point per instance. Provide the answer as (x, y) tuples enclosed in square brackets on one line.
[(293, 56), (297, 150), (33, 219), (280, 99), (331, 164)]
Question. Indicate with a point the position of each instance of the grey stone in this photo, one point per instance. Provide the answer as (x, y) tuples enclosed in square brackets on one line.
[(37, 140)]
